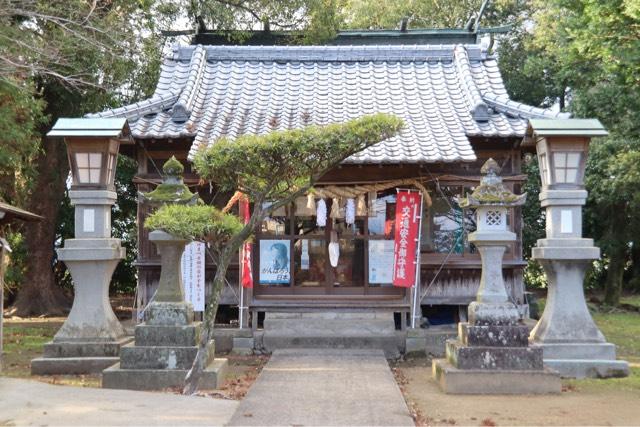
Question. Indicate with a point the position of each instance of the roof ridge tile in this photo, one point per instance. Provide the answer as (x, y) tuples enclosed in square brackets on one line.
[(182, 108), (477, 107), (506, 105)]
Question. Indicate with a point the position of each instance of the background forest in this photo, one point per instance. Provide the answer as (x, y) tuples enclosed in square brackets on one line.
[(67, 58)]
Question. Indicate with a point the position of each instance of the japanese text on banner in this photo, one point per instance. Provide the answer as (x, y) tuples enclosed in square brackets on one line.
[(408, 216), (193, 269)]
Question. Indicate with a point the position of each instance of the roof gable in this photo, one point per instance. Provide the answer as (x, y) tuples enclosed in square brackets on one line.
[(445, 94)]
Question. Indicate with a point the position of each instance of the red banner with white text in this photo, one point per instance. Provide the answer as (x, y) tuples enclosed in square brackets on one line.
[(408, 216)]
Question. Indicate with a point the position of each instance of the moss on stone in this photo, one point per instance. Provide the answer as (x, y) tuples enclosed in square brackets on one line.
[(173, 167), (171, 193), (172, 189), (493, 194)]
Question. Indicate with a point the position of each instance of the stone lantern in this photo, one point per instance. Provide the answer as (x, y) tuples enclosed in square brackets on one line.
[(90, 338), (492, 237), (491, 354), (572, 343), (166, 343)]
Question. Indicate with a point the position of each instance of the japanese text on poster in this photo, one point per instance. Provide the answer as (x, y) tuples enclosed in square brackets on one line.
[(274, 262)]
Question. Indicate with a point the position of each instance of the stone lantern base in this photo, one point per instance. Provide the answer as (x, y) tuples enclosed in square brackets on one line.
[(164, 350), (571, 341), (90, 339), (492, 354), (493, 359)]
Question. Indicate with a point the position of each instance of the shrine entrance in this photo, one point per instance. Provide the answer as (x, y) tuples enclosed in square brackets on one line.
[(297, 255)]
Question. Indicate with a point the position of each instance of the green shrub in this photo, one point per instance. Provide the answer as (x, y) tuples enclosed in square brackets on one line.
[(199, 222)]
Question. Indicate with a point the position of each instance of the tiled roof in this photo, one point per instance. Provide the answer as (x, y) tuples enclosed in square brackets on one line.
[(445, 94)]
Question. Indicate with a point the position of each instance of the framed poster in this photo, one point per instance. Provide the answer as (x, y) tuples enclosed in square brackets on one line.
[(381, 261), (275, 262)]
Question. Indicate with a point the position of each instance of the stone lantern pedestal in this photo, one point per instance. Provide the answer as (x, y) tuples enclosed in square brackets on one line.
[(91, 337), (491, 354), (166, 344), (572, 343)]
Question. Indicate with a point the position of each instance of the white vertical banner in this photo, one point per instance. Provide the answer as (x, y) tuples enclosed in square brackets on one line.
[(193, 260)]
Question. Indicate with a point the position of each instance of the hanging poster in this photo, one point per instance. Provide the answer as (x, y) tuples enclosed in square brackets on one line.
[(274, 262), (407, 224), (192, 264), (304, 256), (381, 261)]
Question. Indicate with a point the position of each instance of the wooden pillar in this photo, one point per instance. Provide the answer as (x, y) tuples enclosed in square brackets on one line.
[(3, 251), (244, 295), (143, 241)]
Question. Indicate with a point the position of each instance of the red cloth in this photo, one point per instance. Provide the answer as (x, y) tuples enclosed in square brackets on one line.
[(247, 273), (406, 238)]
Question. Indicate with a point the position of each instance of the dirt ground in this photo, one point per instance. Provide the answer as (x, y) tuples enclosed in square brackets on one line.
[(590, 402)]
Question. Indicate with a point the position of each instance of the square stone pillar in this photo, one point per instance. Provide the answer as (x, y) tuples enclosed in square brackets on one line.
[(91, 336), (566, 332), (572, 343)]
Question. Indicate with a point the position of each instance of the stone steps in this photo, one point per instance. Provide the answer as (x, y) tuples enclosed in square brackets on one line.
[(333, 330), (391, 345), (483, 381), (163, 352), (159, 379), (75, 358)]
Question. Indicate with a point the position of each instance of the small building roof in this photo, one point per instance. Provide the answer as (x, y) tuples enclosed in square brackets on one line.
[(445, 94), (417, 36), (10, 213)]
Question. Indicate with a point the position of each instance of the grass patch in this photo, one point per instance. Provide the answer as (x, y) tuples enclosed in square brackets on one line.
[(631, 300), (621, 328), (628, 384), (24, 341)]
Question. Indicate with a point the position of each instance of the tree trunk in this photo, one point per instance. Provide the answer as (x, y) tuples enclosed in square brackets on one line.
[(613, 283), (226, 254), (39, 294), (617, 254), (193, 376), (634, 282)]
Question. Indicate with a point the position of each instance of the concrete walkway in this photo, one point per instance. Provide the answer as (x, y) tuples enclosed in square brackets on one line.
[(28, 402), (324, 387)]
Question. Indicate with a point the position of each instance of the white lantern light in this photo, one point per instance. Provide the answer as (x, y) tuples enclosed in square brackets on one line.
[(93, 163), (562, 161)]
